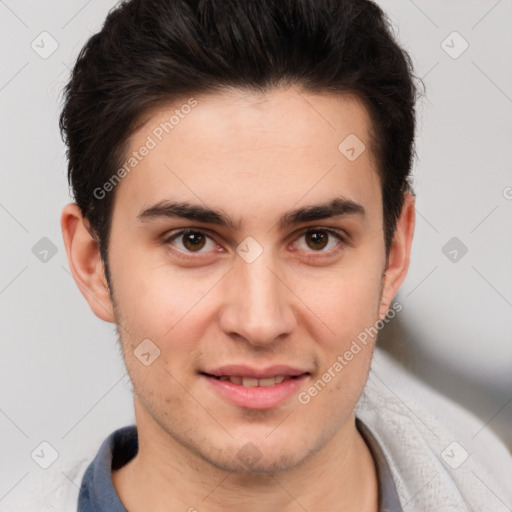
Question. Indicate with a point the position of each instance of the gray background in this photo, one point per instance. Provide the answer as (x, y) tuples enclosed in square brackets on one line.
[(61, 377)]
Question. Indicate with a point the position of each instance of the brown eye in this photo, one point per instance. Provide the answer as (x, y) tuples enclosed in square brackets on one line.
[(193, 241), (320, 243), (317, 240)]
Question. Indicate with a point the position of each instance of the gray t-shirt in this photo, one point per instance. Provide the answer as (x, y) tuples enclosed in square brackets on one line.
[(97, 492)]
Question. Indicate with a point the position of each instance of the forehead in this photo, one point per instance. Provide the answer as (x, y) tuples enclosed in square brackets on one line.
[(245, 151)]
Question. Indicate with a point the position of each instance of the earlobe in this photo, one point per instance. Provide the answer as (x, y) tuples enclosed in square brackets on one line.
[(399, 254), (85, 262)]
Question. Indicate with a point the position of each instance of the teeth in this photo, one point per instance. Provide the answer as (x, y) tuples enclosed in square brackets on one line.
[(251, 382)]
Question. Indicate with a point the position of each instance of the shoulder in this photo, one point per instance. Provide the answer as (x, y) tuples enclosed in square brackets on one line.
[(441, 456)]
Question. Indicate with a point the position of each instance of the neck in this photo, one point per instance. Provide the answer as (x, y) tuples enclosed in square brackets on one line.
[(165, 475)]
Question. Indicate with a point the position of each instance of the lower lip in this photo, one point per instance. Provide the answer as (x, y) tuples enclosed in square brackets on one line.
[(258, 397)]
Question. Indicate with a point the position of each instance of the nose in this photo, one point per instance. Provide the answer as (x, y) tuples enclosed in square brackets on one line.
[(256, 305)]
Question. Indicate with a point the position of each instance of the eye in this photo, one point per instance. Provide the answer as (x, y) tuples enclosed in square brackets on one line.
[(192, 241), (319, 240)]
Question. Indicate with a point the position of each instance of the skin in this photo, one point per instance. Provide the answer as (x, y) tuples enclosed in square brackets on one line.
[(254, 158)]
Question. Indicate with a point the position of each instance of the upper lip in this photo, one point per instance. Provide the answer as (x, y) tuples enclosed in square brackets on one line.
[(242, 370)]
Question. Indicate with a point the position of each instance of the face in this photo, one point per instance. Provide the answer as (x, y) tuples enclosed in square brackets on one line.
[(248, 252)]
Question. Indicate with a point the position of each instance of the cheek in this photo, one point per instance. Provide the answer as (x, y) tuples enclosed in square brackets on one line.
[(171, 309), (154, 299), (347, 304), (345, 356), (345, 301)]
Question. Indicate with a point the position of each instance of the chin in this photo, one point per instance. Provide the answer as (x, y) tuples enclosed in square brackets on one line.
[(261, 456), (250, 461)]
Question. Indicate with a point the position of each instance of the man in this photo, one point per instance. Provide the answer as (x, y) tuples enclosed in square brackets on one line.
[(244, 216)]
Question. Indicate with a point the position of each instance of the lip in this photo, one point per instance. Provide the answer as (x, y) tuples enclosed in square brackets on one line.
[(258, 398)]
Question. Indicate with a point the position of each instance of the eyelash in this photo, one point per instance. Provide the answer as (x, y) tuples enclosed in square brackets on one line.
[(342, 239)]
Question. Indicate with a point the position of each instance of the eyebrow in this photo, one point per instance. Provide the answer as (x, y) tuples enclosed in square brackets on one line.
[(336, 207)]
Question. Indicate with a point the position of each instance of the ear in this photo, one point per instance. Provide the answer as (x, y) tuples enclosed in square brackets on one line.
[(85, 262), (399, 254)]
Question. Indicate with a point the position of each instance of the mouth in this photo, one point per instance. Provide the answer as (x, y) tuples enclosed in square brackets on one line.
[(248, 388), (251, 382)]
